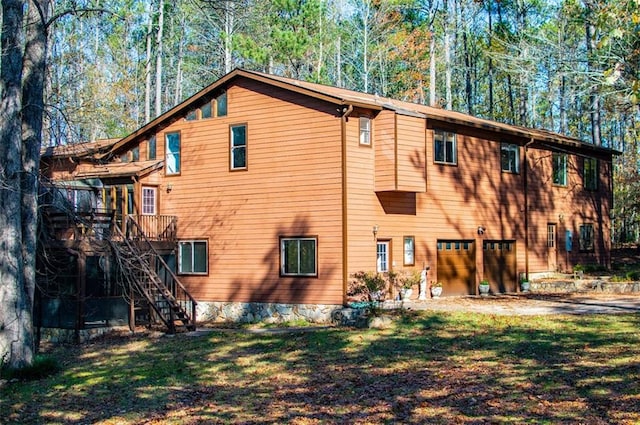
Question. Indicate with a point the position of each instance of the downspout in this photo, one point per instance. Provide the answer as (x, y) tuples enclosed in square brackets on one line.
[(346, 111), (525, 173)]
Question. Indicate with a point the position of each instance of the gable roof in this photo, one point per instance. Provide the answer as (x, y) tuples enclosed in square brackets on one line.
[(345, 97), (78, 150)]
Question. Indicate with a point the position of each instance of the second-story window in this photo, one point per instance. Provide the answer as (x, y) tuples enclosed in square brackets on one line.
[(590, 173), (172, 149), (151, 148), (365, 131), (559, 169), (221, 105), (238, 147), (148, 200), (444, 147), (510, 157)]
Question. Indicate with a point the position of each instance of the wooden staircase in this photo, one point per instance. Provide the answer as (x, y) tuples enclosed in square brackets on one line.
[(166, 299)]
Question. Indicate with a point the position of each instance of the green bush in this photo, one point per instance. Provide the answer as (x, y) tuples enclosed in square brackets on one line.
[(42, 367)]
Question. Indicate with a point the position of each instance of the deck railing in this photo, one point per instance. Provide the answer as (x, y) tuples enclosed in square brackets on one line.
[(99, 224)]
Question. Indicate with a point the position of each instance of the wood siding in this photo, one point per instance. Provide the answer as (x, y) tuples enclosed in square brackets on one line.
[(292, 187)]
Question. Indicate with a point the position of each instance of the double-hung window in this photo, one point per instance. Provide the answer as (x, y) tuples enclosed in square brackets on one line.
[(365, 131), (172, 162), (148, 200), (590, 173), (559, 169), (510, 157), (192, 257), (238, 154), (586, 237), (298, 256), (444, 147)]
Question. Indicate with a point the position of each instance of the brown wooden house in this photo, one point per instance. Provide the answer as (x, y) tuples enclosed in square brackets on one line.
[(275, 191)]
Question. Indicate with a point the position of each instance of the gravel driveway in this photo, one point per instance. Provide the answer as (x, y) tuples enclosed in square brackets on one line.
[(535, 304)]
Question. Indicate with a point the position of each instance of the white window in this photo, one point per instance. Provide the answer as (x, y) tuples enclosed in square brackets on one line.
[(148, 200), (382, 254), (172, 162), (193, 257), (365, 131), (510, 157), (298, 256), (238, 147), (409, 250), (444, 147)]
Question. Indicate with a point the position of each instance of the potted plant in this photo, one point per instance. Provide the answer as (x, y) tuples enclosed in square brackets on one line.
[(436, 289), (524, 284), (368, 285), (484, 287), (407, 282)]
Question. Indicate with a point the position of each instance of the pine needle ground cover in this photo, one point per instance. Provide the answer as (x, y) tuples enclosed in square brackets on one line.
[(426, 368)]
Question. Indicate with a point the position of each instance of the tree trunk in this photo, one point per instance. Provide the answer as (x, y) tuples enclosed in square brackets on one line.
[(447, 58), (229, 11), (159, 58), (147, 70), (594, 95), (16, 329)]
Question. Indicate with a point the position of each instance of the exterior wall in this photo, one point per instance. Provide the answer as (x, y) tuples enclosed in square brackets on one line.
[(292, 187)]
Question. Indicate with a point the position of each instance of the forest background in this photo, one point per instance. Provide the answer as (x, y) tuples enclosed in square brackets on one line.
[(568, 66)]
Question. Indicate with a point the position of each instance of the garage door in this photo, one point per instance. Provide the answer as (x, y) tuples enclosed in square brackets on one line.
[(499, 259), (457, 267)]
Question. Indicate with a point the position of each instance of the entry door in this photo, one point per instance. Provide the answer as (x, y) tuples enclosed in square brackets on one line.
[(382, 256), (552, 244)]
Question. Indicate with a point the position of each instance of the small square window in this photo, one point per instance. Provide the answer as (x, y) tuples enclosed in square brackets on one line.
[(444, 147), (510, 157), (365, 131), (298, 256), (206, 111), (193, 257)]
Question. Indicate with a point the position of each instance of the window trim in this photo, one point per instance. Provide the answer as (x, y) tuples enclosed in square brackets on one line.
[(283, 240), (412, 261), (366, 131), (179, 259), (592, 182), (232, 148), (510, 148), (153, 190), (387, 243), (167, 153), (454, 143), (587, 244), (565, 169)]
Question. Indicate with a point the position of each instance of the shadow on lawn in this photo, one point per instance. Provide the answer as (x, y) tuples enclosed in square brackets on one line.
[(428, 369)]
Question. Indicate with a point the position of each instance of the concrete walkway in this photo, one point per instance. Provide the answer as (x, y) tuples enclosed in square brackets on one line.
[(534, 304)]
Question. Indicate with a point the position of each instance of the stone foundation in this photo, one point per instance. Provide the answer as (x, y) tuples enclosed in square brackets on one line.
[(58, 336), (585, 285), (264, 312)]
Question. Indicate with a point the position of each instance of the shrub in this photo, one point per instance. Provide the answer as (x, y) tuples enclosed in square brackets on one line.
[(368, 285), (42, 367)]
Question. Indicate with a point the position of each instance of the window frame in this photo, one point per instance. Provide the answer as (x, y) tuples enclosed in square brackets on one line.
[(284, 240), (177, 156), (233, 149), (445, 137), (152, 148), (386, 266), (587, 237), (409, 251), (143, 198), (193, 242), (365, 131), (559, 170), (514, 163), (590, 172)]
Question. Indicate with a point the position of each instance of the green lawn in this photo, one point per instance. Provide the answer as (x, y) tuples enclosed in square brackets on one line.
[(428, 368)]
